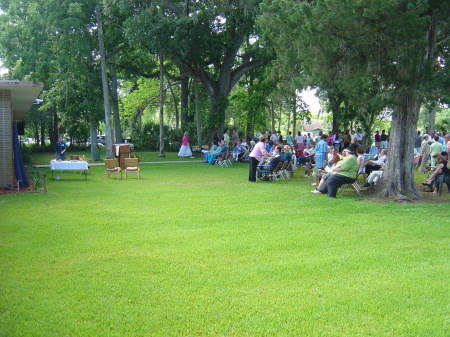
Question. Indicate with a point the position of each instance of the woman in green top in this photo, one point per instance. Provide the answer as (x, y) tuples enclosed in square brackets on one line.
[(344, 172)]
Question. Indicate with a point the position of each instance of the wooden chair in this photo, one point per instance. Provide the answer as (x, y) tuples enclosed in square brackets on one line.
[(132, 166), (112, 167)]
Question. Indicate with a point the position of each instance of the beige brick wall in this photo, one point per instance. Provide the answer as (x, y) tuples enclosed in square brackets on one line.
[(6, 139)]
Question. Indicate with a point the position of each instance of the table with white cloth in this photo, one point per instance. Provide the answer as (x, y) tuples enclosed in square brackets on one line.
[(69, 166)]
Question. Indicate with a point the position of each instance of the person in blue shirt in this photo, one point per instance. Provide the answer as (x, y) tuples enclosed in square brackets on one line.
[(237, 150), (61, 148), (321, 152)]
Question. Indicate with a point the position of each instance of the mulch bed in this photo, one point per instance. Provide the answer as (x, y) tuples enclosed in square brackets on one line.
[(14, 190)]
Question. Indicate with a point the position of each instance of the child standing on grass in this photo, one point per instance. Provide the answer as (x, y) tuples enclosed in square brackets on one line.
[(308, 167)]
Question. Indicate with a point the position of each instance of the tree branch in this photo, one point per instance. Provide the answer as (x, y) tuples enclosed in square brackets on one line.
[(237, 73), (172, 7)]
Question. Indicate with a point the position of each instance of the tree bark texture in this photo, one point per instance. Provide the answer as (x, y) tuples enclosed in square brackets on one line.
[(115, 106), (432, 118), (95, 155), (197, 114), (397, 181), (184, 102), (161, 106), (106, 103)]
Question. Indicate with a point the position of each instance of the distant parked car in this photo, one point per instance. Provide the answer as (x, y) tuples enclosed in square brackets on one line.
[(101, 139)]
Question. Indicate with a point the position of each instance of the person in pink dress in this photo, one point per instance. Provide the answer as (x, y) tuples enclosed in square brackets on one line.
[(185, 150)]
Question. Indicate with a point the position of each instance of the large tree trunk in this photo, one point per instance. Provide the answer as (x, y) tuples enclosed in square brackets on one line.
[(184, 102), (294, 118), (95, 155), (175, 102), (397, 181), (108, 145), (335, 104), (115, 106), (432, 117), (197, 114), (53, 129), (161, 106), (217, 106)]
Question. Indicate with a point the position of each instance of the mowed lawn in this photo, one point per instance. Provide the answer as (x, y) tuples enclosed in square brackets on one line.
[(196, 250)]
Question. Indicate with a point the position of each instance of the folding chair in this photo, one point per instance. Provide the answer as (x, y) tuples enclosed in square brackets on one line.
[(276, 172), (373, 151), (354, 184), (221, 160), (283, 171)]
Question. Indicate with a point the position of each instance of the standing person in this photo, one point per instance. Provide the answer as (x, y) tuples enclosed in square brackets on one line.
[(256, 155), (61, 148), (226, 137), (321, 151), (308, 138), (330, 139), (337, 140), (359, 135), (235, 138), (435, 148), (424, 152), (216, 139), (274, 137), (417, 141), (321, 155), (384, 139), (300, 139), (377, 139), (185, 150), (347, 139), (289, 138), (280, 137)]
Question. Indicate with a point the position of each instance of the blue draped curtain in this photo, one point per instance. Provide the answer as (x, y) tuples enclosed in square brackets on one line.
[(19, 167)]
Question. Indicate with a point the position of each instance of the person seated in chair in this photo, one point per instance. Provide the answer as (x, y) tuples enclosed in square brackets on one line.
[(344, 172), (238, 150), (374, 177), (212, 149), (442, 169), (247, 152), (211, 154), (222, 151), (375, 165)]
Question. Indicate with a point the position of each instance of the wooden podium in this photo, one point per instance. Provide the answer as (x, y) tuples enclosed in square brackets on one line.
[(121, 152)]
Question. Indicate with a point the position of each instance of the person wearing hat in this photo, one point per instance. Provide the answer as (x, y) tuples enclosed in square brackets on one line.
[(344, 172)]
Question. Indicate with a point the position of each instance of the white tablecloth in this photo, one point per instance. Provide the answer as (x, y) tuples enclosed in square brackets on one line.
[(68, 165)]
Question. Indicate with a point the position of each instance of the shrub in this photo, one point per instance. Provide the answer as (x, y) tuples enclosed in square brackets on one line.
[(37, 179)]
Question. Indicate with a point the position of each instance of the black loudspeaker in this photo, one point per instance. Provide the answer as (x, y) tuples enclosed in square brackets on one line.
[(20, 128)]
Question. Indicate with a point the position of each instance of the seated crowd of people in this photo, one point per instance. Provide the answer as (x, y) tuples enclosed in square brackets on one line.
[(326, 160)]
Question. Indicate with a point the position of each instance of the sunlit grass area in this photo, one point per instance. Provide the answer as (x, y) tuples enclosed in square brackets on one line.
[(195, 250)]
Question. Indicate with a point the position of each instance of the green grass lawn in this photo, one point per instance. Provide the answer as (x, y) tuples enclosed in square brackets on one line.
[(196, 250)]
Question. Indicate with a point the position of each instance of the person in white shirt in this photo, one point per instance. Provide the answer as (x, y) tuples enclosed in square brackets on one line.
[(300, 139)]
